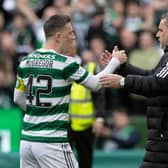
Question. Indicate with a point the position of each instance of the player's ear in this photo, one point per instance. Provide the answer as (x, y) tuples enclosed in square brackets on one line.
[(58, 36)]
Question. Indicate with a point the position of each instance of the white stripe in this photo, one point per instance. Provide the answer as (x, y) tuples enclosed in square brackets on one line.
[(48, 133), (53, 101), (160, 72), (49, 118), (58, 65), (43, 83), (163, 72)]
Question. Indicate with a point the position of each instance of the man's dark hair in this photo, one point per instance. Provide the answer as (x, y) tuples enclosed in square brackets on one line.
[(122, 110), (55, 23), (165, 16)]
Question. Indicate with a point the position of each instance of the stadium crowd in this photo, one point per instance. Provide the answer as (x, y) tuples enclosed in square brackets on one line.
[(98, 24)]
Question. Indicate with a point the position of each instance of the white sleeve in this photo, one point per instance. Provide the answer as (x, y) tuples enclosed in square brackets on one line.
[(20, 99), (93, 81)]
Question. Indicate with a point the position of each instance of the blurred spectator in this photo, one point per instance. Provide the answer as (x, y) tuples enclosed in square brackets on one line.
[(63, 6), (113, 22), (81, 20), (5, 94), (159, 7), (22, 34), (115, 14), (147, 14), (121, 135), (9, 53), (133, 20), (35, 21), (147, 56), (97, 25), (128, 40), (97, 45)]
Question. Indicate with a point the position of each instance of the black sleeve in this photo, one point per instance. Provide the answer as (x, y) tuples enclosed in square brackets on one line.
[(130, 142), (133, 70), (149, 86), (128, 69)]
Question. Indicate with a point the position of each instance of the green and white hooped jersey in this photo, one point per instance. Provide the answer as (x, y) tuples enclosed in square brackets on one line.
[(47, 78)]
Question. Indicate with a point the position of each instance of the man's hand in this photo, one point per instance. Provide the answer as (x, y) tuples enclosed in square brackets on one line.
[(106, 56), (121, 55), (98, 126), (111, 80)]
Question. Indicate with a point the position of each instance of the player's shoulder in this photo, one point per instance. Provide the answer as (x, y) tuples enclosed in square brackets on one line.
[(50, 54)]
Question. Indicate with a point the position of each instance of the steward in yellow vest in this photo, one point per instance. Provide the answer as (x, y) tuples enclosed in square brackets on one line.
[(81, 107)]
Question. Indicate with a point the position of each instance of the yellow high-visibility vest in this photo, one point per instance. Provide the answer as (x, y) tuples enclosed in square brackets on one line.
[(81, 106)]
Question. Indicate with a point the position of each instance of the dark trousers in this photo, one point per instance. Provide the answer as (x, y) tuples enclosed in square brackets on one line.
[(83, 142)]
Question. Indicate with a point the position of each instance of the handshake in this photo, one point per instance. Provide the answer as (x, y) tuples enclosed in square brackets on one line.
[(107, 56), (113, 80)]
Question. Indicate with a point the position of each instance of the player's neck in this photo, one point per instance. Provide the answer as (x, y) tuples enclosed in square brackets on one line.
[(49, 45)]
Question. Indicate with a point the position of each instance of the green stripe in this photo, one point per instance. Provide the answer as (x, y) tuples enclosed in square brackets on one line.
[(54, 125), (44, 139), (83, 77), (54, 73), (19, 71), (38, 111), (70, 70), (56, 91)]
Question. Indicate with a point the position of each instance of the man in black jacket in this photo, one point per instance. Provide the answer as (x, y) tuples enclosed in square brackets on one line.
[(154, 85)]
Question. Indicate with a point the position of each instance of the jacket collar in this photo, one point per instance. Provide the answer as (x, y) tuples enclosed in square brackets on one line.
[(166, 49)]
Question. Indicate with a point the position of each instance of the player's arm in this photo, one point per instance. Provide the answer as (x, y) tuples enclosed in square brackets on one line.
[(75, 72), (93, 81), (19, 94)]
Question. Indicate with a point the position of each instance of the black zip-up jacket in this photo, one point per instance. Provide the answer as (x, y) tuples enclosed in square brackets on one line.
[(154, 85)]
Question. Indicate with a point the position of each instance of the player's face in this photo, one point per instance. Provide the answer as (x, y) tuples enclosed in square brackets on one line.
[(68, 39), (162, 33)]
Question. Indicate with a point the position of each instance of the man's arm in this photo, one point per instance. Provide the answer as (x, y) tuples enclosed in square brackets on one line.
[(119, 57), (92, 81), (75, 72), (150, 86), (126, 68), (147, 86)]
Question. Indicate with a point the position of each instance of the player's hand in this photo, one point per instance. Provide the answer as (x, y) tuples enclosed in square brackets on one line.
[(111, 80), (120, 54), (106, 56)]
